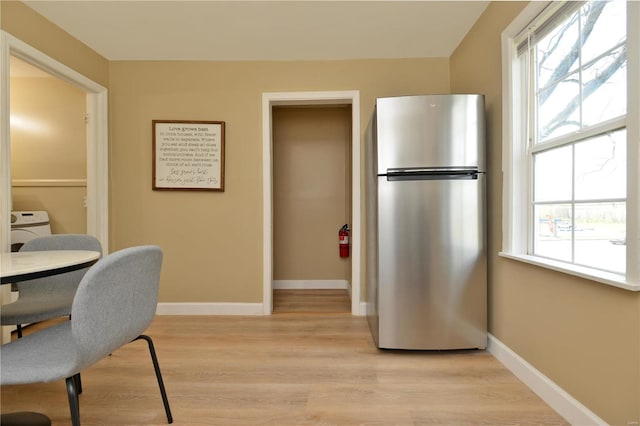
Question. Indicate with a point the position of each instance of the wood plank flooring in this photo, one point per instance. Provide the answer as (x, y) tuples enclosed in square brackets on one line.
[(311, 301), (293, 369)]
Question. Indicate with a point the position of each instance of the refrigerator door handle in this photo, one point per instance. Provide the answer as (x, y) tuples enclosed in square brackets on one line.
[(431, 174)]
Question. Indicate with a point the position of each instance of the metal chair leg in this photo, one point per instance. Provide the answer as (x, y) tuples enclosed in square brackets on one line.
[(74, 404), (156, 367), (78, 381), (19, 330)]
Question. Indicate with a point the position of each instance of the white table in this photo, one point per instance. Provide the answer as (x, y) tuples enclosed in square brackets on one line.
[(28, 265)]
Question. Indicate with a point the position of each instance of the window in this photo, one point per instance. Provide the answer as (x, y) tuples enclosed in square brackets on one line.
[(567, 142)]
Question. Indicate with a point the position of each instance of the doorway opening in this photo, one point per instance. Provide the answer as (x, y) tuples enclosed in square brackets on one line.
[(272, 101), (96, 96), (97, 197), (48, 148), (311, 202)]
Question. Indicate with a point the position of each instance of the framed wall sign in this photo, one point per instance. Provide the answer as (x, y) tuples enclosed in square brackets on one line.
[(188, 155)]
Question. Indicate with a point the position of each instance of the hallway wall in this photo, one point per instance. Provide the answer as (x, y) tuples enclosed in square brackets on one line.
[(311, 191), (49, 150)]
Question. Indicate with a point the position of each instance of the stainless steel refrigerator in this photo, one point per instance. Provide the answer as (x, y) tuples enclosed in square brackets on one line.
[(425, 219)]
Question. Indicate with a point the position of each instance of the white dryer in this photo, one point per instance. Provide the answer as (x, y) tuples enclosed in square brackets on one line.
[(27, 225)]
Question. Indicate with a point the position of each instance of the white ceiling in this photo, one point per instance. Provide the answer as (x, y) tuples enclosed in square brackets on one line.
[(264, 30)]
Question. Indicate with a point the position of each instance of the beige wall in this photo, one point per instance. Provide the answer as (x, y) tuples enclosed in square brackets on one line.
[(583, 335), (213, 241), (311, 191), (25, 24), (48, 151)]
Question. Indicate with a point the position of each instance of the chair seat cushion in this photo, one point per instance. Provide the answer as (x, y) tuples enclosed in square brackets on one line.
[(35, 309), (44, 356)]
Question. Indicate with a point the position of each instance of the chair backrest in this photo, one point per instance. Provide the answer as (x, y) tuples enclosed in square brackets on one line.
[(63, 284), (116, 301)]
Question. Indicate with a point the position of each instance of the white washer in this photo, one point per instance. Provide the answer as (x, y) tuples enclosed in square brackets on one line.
[(27, 225)]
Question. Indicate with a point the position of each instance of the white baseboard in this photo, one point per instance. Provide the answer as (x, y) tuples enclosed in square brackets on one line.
[(363, 309), (563, 403), (210, 309), (310, 284)]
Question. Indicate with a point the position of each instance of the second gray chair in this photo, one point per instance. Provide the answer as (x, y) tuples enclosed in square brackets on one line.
[(50, 297)]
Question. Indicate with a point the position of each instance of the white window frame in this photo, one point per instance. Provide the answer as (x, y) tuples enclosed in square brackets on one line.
[(516, 165)]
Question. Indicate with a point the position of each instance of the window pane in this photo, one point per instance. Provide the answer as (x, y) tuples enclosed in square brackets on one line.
[(556, 53), (600, 236), (573, 87), (552, 231), (553, 175), (607, 31), (601, 167), (605, 88), (559, 108)]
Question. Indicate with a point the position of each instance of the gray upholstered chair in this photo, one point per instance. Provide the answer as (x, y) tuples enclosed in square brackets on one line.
[(45, 298), (114, 304)]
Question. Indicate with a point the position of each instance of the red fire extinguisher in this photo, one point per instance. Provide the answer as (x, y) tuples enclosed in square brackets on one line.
[(343, 241)]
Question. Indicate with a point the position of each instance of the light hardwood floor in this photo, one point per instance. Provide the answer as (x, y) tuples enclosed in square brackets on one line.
[(287, 369), (311, 301)]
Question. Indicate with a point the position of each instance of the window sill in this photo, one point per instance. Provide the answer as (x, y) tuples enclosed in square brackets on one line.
[(608, 278)]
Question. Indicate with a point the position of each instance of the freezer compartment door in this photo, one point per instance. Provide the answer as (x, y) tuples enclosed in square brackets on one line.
[(432, 277), (431, 131)]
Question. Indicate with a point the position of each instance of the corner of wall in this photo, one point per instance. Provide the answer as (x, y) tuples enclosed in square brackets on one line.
[(24, 23)]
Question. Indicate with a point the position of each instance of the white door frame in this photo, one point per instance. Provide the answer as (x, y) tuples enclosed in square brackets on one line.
[(310, 98), (97, 138), (97, 142)]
